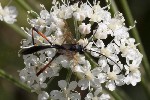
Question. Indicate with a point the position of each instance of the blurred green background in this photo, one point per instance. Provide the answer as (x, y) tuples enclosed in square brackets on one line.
[(10, 44)]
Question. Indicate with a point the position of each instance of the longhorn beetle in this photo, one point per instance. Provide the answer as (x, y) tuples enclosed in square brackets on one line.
[(67, 47)]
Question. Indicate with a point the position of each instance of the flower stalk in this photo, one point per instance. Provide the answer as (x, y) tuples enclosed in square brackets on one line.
[(18, 30), (10, 78), (24, 5)]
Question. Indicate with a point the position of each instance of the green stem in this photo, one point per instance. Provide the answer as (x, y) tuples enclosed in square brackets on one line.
[(76, 30), (10, 1), (14, 81), (115, 95), (92, 62), (113, 7), (145, 87), (26, 6), (17, 29), (122, 93), (68, 77), (135, 34), (23, 4)]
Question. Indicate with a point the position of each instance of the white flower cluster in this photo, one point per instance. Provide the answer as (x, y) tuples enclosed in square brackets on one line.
[(8, 14), (114, 59)]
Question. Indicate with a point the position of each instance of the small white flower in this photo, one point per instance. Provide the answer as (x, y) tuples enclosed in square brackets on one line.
[(57, 21), (43, 96), (100, 14), (132, 72), (102, 31), (121, 33), (114, 77), (8, 14), (84, 29), (99, 43), (117, 22), (63, 61), (79, 16), (83, 42), (96, 96), (66, 92), (65, 12), (84, 11), (90, 77)]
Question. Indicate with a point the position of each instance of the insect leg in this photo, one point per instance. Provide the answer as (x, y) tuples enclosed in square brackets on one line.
[(47, 65), (40, 33)]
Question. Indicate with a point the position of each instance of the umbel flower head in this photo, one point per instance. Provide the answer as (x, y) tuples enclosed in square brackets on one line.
[(8, 14), (87, 41)]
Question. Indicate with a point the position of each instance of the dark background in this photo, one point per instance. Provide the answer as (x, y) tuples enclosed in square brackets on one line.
[(10, 44)]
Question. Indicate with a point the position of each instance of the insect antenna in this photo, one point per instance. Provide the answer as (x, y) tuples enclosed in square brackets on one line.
[(106, 57), (84, 48)]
